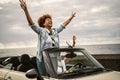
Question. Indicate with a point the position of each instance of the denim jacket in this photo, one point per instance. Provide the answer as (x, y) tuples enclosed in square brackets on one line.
[(42, 36)]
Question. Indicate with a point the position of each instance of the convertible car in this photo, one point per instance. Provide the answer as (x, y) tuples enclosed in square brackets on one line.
[(60, 64)]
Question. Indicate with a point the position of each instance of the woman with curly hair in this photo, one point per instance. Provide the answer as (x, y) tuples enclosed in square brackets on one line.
[(47, 36)]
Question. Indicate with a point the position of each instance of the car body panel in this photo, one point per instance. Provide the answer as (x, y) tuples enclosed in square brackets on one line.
[(112, 75), (7, 74), (3, 73), (15, 75)]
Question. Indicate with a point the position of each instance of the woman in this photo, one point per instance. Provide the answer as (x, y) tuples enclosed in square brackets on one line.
[(47, 36)]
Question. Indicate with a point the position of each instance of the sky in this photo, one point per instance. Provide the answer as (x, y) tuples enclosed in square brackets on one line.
[(96, 21)]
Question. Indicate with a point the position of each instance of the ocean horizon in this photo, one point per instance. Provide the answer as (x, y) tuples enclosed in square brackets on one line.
[(92, 49)]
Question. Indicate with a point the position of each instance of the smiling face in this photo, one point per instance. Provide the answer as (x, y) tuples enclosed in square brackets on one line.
[(48, 23), (45, 21)]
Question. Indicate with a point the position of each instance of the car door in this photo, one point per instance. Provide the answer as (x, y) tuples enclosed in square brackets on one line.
[(16, 75), (8, 74), (3, 73)]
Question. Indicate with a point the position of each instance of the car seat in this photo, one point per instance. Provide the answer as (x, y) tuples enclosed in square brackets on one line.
[(33, 62), (15, 62), (25, 63)]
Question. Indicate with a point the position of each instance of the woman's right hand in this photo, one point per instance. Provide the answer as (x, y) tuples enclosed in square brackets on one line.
[(23, 4)]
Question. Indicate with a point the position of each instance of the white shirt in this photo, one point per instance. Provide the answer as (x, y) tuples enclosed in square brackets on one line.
[(61, 66), (49, 41)]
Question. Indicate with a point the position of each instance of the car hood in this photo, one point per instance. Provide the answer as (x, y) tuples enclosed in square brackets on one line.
[(113, 75)]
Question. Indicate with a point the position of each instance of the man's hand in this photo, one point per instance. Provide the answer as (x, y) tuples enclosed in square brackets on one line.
[(74, 41)]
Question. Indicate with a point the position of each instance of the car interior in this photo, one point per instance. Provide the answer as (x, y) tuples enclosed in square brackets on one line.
[(25, 63), (19, 63)]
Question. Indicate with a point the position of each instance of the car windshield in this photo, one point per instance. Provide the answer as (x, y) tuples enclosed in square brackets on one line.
[(70, 62)]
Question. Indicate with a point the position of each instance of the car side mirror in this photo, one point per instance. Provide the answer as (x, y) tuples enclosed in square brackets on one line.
[(32, 73)]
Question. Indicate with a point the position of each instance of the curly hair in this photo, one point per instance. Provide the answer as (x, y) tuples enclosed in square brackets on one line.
[(41, 19)]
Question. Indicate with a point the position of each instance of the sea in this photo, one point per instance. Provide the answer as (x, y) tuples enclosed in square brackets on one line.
[(92, 49)]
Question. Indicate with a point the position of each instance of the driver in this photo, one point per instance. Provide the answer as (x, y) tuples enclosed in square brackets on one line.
[(67, 57), (64, 61)]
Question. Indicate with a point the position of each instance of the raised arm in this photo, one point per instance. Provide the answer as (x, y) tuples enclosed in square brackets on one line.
[(24, 7), (74, 41), (69, 19)]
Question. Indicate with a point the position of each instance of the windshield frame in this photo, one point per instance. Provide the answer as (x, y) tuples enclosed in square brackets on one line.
[(92, 59), (87, 54)]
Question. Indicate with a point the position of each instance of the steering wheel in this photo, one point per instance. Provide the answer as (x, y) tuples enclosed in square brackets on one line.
[(77, 66)]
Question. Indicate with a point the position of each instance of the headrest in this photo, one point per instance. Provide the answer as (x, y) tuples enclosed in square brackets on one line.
[(25, 59)]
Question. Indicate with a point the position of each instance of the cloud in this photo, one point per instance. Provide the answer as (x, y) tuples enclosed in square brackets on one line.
[(2, 46), (19, 29), (7, 1), (41, 3), (50, 1), (22, 44), (1, 8), (96, 21), (97, 9), (4, 1), (90, 41)]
